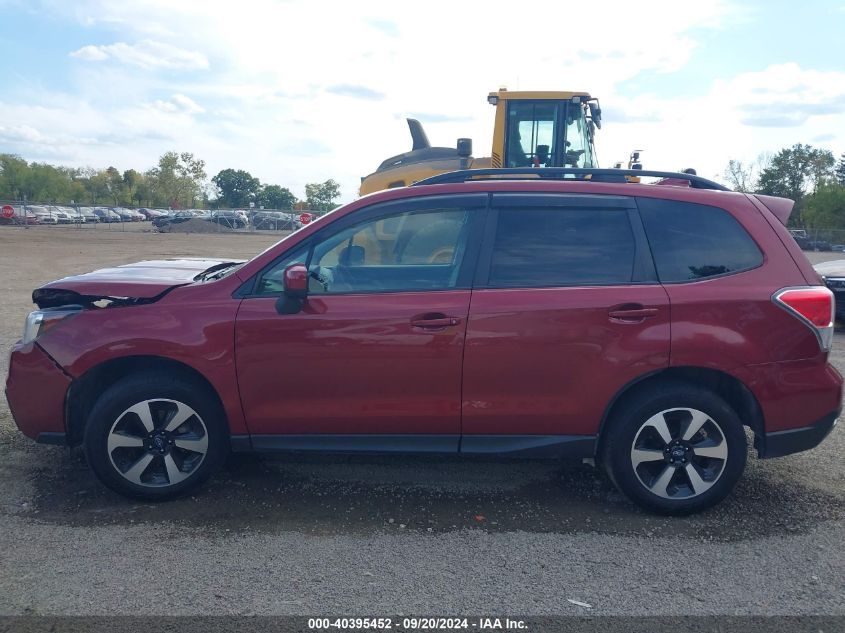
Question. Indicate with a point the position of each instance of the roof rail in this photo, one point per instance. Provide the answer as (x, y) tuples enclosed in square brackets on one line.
[(595, 174)]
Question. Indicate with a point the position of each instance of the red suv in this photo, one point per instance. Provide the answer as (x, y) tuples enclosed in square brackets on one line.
[(639, 325)]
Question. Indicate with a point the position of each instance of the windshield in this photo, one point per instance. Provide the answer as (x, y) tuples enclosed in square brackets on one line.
[(547, 133)]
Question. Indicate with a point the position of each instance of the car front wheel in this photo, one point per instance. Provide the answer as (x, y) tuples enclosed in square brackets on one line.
[(155, 437)]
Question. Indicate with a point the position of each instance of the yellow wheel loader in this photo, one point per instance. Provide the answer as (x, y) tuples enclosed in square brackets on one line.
[(539, 129)]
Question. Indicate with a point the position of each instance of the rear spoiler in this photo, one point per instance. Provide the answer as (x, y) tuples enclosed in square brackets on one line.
[(781, 208)]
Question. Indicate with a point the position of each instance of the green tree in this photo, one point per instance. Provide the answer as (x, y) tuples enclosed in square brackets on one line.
[(794, 172), (236, 187), (276, 197), (14, 173), (99, 187), (321, 196), (825, 209), (46, 183), (839, 173), (116, 188), (178, 179), (131, 182)]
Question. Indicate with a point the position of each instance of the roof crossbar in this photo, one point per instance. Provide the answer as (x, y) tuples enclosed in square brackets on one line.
[(557, 173)]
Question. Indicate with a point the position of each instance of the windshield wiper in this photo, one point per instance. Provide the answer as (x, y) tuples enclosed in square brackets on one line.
[(218, 271)]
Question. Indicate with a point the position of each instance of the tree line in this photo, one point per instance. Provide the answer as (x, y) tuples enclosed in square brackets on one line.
[(810, 176), (178, 181)]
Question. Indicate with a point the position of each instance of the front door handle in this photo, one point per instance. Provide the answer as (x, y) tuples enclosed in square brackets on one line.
[(434, 321), (631, 313)]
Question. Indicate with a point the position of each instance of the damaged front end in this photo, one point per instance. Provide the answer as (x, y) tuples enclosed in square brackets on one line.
[(122, 286), (46, 298), (57, 305)]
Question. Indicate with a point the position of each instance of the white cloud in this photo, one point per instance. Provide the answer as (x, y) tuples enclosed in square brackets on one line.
[(740, 117), (784, 95), (20, 134), (90, 53), (147, 54), (179, 104)]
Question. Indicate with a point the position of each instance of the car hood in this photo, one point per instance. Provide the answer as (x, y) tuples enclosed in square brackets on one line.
[(836, 268), (141, 280)]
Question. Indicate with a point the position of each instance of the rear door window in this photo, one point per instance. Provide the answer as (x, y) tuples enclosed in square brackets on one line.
[(694, 241), (542, 247)]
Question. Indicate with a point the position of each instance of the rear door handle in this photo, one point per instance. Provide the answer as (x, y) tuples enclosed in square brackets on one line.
[(632, 313), (434, 321)]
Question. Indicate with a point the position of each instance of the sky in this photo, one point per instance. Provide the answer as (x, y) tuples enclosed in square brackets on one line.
[(302, 91)]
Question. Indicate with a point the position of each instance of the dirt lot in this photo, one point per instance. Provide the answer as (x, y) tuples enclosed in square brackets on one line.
[(380, 536)]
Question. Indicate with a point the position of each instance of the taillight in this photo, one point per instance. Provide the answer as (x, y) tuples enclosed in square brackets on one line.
[(814, 306)]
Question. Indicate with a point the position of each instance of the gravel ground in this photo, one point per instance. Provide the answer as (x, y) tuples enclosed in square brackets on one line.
[(389, 535)]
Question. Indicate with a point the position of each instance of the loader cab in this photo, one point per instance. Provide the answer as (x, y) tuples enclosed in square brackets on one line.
[(544, 129)]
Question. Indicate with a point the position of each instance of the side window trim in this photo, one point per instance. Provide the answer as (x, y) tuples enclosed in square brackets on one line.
[(643, 269), (474, 203)]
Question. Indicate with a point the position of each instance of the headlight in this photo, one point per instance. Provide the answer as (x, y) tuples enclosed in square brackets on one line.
[(40, 321)]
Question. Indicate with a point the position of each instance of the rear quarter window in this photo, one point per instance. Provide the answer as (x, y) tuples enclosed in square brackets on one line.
[(695, 241)]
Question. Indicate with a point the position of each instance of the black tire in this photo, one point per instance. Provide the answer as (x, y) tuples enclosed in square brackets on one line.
[(166, 397), (678, 404)]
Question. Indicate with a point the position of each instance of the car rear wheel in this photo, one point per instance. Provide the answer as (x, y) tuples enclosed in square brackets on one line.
[(675, 449), (155, 437)]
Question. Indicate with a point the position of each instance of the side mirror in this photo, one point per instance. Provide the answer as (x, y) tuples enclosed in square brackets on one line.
[(296, 280), (296, 289)]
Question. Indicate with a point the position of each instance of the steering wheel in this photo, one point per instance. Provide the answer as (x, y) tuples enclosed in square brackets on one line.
[(322, 276)]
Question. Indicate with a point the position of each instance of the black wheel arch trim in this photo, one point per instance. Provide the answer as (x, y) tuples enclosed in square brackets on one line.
[(756, 424)]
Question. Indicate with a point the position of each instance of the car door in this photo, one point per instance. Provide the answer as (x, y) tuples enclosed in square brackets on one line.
[(373, 360), (566, 310)]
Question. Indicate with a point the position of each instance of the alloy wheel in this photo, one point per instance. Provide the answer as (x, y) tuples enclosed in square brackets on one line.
[(157, 443), (679, 453)]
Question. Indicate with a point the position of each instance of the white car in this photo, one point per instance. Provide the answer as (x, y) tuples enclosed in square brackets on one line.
[(43, 214), (62, 215), (74, 214), (88, 215)]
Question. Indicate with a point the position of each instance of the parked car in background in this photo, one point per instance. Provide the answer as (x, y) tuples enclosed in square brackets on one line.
[(124, 214), (275, 221), (151, 214), (88, 215), (43, 214), (818, 245), (73, 213), (521, 316), (232, 219), (833, 276), (106, 215), (175, 217), (63, 214)]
